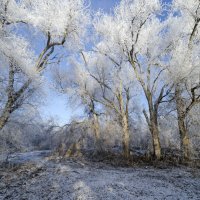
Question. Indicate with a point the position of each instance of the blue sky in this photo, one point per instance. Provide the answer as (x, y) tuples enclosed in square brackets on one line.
[(105, 5), (56, 104)]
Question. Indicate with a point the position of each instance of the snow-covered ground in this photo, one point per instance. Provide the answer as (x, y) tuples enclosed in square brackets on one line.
[(75, 179)]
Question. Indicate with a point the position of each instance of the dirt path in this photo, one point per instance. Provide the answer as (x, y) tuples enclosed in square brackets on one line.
[(73, 179)]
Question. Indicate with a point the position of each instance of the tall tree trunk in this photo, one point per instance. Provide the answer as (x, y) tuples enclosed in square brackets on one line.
[(124, 112), (152, 122), (184, 138), (181, 113), (125, 137), (155, 138), (96, 126)]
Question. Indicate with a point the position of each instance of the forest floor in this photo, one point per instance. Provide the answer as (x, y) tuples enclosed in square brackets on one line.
[(42, 178)]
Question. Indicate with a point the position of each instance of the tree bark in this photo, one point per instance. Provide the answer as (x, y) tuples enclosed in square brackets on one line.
[(96, 126), (8, 109), (183, 132), (5, 115), (185, 141), (124, 115), (12, 103), (156, 140), (125, 137), (152, 122)]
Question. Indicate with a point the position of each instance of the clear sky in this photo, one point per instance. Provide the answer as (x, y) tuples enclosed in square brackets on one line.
[(56, 104), (105, 5)]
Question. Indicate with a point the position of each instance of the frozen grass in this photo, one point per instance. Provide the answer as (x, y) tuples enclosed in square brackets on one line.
[(80, 179)]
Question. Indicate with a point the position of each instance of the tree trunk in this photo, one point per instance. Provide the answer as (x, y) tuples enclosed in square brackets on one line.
[(155, 139), (12, 97), (181, 114), (152, 122), (98, 144), (184, 137), (126, 137), (124, 120), (6, 114), (3, 121)]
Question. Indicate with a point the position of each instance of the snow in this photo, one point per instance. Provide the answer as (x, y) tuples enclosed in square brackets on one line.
[(79, 179), (28, 156)]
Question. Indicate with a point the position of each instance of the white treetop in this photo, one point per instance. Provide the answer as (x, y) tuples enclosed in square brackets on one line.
[(184, 60), (63, 22)]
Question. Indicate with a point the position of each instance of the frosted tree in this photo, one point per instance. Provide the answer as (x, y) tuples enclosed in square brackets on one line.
[(134, 33), (184, 63), (81, 90), (114, 91), (101, 87), (60, 23)]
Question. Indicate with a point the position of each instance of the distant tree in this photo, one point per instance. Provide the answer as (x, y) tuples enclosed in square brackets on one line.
[(115, 89), (80, 89), (98, 89)]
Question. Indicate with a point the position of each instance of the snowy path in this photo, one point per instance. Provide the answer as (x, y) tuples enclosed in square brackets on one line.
[(73, 179)]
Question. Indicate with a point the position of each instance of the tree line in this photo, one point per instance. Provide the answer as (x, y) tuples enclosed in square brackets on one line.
[(141, 59)]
